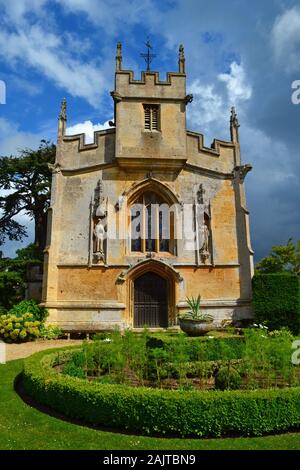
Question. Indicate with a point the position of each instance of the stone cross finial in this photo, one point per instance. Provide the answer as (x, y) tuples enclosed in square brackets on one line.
[(234, 125), (119, 57), (181, 59), (63, 110)]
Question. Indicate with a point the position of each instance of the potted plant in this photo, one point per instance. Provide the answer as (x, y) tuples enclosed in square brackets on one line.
[(193, 322)]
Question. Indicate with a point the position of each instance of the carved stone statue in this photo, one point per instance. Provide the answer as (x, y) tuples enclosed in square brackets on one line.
[(99, 223), (205, 239), (99, 232), (200, 194)]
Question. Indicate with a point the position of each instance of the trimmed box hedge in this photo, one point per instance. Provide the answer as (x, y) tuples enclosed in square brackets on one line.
[(276, 300), (150, 411)]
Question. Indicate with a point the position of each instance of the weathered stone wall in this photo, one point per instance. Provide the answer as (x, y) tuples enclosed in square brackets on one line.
[(171, 161)]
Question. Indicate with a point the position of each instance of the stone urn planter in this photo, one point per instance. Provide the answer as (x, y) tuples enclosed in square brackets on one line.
[(195, 327), (193, 322)]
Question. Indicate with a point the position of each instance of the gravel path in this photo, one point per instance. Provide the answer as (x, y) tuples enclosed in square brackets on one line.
[(19, 351)]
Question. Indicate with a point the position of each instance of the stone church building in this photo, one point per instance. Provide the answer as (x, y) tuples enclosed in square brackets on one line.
[(146, 215)]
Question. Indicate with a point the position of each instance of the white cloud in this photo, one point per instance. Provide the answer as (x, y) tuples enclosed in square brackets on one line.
[(45, 52), (31, 88), (12, 139), (17, 9), (87, 128), (207, 105), (35, 40), (236, 82), (113, 14), (211, 107), (285, 39)]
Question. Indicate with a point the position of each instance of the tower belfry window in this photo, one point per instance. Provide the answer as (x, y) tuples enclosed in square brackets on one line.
[(151, 112)]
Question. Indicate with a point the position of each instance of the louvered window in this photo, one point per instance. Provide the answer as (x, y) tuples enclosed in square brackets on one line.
[(151, 117)]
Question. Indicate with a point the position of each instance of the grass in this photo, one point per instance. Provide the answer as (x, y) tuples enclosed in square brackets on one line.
[(23, 427)]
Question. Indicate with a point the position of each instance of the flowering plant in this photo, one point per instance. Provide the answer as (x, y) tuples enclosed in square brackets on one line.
[(14, 329)]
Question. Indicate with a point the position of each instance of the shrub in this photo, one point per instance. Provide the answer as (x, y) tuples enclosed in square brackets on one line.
[(50, 331), (276, 301), (187, 413), (13, 275), (101, 336), (14, 329), (214, 349), (228, 378), (73, 371), (267, 358), (29, 306), (160, 358), (12, 286), (211, 349)]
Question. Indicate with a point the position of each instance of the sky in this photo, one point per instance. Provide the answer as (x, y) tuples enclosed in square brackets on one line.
[(238, 53)]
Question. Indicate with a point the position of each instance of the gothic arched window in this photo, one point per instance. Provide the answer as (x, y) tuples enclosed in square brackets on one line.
[(151, 224)]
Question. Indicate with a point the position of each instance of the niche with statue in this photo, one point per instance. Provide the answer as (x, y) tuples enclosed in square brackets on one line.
[(99, 226)]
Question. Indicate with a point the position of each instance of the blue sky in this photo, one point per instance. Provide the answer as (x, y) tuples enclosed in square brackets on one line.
[(237, 53)]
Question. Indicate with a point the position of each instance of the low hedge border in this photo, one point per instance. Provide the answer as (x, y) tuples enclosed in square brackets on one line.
[(151, 411)]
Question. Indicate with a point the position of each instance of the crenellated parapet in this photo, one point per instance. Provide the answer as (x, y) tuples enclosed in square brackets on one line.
[(215, 148), (80, 139), (73, 153), (150, 85)]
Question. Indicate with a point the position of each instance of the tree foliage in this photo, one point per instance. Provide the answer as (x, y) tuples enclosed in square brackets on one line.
[(283, 258), (27, 180), (13, 275)]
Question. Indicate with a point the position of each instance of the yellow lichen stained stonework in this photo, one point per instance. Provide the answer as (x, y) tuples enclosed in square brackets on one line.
[(95, 283), (223, 222), (90, 285)]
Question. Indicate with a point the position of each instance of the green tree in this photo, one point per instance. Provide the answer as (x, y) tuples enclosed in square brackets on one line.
[(283, 258), (13, 275), (27, 180)]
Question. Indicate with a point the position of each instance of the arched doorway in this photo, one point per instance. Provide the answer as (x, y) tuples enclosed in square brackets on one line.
[(150, 301)]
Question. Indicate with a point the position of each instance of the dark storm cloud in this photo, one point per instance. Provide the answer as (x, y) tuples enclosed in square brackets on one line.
[(263, 37)]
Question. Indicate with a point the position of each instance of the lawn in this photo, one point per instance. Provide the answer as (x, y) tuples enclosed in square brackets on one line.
[(22, 427)]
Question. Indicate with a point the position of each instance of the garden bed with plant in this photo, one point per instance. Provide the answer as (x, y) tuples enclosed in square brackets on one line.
[(26, 322), (153, 384)]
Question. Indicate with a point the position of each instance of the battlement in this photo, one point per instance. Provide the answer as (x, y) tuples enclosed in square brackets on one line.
[(150, 85), (80, 139)]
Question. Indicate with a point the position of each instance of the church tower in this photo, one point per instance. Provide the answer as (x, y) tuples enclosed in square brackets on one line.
[(150, 117)]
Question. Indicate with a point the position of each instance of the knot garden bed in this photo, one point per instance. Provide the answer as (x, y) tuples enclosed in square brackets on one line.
[(53, 379)]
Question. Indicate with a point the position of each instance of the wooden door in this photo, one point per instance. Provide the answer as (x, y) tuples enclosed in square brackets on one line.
[(150, 301)]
